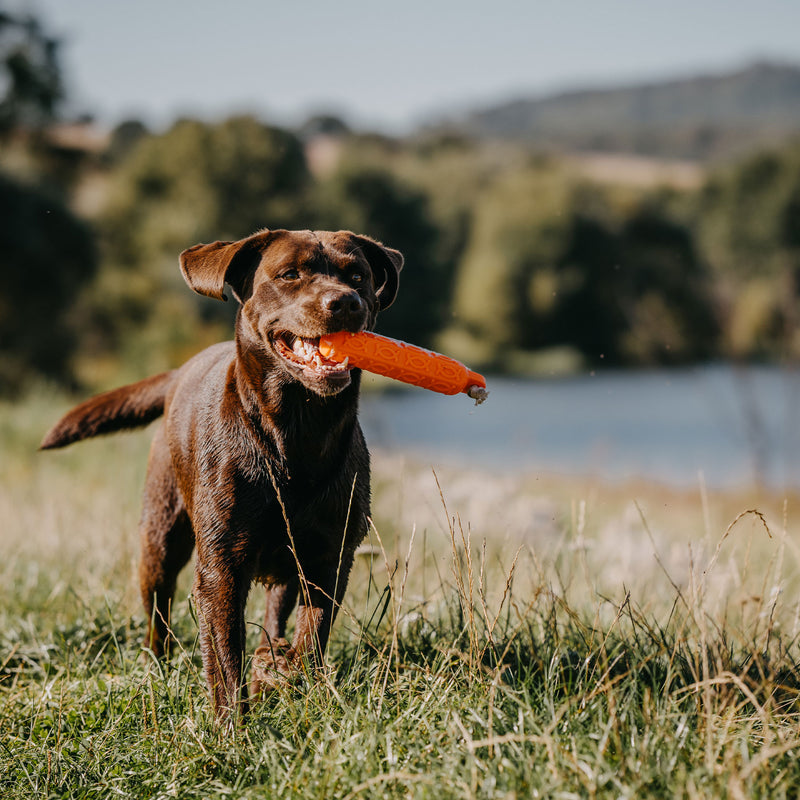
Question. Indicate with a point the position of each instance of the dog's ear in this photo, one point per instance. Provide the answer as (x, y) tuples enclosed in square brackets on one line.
[(386, 264), (208, 267)]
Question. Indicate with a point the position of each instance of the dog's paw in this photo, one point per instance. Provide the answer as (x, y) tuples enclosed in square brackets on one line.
[(274, 664)]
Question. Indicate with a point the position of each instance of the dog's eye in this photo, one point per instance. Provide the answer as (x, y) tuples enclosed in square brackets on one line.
[(290, 275), (356, 277)]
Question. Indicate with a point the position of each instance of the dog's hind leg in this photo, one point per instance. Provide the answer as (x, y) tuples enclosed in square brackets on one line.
[(167, 542)]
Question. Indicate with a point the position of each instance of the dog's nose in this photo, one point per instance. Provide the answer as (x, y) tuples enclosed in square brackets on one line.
[(341, 306)]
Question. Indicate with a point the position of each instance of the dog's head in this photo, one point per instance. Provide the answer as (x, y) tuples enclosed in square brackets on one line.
[(295, 286)]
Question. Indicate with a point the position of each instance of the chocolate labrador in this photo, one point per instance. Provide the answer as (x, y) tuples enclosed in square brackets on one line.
[(260, 463)]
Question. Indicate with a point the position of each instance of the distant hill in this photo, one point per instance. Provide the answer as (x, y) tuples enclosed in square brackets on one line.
[(700, 117)]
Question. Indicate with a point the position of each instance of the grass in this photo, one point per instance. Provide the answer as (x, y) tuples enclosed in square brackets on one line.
[(502, 637)]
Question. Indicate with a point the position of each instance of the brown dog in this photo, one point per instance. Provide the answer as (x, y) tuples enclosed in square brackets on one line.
[(260, 463)]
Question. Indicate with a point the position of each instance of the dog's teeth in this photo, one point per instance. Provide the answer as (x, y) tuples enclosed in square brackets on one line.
[(307, 350), (345, 362)]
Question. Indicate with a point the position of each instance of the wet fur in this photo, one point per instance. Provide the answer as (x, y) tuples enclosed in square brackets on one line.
[(259, 465)]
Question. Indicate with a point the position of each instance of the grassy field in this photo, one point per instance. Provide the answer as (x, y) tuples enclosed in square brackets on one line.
[(503, 637)]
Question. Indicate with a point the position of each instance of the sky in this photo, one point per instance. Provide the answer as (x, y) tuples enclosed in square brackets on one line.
[(388, 66)]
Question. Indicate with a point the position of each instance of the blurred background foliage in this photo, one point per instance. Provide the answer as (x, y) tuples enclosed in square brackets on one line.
[(518, 258)]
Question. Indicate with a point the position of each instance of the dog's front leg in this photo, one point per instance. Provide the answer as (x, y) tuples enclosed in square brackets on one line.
[(276, 660), (220, 594)]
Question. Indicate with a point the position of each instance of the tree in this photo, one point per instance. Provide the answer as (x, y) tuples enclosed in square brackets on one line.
[(198, 182), (749, 230), (671, 313), (48, 256), (549, 266), (508, 286), (124, 139), (30, 75), (372, 201)]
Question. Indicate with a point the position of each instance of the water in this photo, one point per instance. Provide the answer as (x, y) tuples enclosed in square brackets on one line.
[(733, 425)]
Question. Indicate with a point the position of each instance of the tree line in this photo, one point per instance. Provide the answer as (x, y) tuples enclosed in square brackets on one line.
[(515, 262)]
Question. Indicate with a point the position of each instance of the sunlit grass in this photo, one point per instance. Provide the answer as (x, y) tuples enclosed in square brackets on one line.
[(502, 636)]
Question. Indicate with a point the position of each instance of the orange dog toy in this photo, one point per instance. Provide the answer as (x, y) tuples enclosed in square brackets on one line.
[(404, 362)]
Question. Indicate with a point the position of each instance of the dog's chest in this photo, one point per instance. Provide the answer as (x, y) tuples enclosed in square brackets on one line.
[(298, 534)]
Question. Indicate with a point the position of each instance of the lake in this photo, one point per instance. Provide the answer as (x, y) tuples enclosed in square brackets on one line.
[(732, 424)]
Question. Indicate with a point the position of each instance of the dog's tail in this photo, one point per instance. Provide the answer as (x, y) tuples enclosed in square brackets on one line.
[(130, 406)]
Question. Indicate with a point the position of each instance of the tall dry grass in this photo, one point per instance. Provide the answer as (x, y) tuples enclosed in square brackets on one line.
[(502, 636)]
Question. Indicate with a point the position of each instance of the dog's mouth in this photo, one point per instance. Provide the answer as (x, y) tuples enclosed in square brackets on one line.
[(304, 353)]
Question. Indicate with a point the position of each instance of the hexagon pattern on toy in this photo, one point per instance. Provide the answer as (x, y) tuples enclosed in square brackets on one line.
[(401, 361)]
